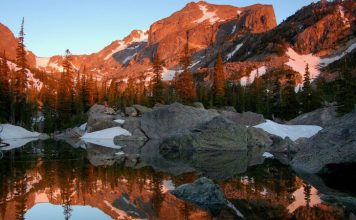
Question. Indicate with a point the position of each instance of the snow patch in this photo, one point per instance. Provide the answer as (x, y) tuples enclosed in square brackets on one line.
[(267, 155), (120, 46), (211, 16), (247, 80), (15, 132), (83, 127), (128, 58), (233, 29), (120, 121), (167, 185), (168, 74), (105, 137), (237, 48), (298, 62), (42, 61), (292, 131), (299, 199)]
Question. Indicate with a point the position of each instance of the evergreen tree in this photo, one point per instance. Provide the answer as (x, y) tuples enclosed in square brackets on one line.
[(346, 91), (66, 92), (219, 82), (156, 81), (5, 90), (21, 78), (309, 99), (289, 105), (184, 83)]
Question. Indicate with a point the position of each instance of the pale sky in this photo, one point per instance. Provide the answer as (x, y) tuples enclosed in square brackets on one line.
[(87, 26)]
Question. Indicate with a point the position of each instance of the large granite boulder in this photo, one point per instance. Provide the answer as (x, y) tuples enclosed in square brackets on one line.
[(246, 118), (335, 144), (217, 134), (141, 109), (130, 111), (203, 193), (218, 145), (169, 120), (98, 119), (321, 117)]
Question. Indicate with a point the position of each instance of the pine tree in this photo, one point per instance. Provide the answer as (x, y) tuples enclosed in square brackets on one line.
[(289, 105), (156, 81), (184, 83), (219, 82), (309, 99), (5, 93), (346, 91), (66, 92), (21, 78)]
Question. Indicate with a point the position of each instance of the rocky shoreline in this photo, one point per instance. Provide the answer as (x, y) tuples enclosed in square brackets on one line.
[(180, 139)]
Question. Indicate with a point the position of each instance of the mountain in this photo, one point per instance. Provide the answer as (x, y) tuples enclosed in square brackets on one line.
[(248, 38), (8, 44)]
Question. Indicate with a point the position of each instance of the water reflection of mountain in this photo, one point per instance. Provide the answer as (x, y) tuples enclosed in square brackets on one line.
[(55, 173)]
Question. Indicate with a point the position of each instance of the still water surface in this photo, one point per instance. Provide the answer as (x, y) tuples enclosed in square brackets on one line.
[(53, 180)]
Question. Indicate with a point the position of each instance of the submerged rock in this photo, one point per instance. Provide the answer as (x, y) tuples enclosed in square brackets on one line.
[(335, 144), (203, 193)]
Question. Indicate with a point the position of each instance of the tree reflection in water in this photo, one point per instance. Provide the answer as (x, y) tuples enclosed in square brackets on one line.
[(56, 173)]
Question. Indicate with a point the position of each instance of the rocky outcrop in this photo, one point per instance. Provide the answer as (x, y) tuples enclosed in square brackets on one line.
[(246, 118), (141, 109), (173, 119), (218, 145), (203, 193), (98, 119), (130, 111), (335, 144), (321, 117)]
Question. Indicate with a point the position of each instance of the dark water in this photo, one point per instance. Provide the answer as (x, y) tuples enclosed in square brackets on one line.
[(53, 180)]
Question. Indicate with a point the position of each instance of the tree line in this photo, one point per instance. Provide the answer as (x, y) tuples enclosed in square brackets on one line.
[(64, 101)]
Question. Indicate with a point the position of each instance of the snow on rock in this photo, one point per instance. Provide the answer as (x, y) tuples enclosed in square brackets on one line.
[(237, 48), (167, 185), (267, 155), (42, 61), (142, 38), (246, 80), (328, 60), (31, 80), (211, 16), (233, 29), (292, 131), (120, 46), (83, 127), (128, 58), (298, 62), (16, 143), (15, 132), (105, 137), (168, 74), (120, 121)]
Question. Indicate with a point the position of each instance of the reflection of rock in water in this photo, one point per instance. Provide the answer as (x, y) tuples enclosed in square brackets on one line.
[(101, 156), (150, 156)]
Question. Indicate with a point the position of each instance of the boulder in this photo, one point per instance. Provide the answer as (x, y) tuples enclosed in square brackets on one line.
[(217, 134), (335, 144), (173, 119), (141, 109), (198, 105), (246, 118), (98, 119), (218, 145), (227, 108), (321, 117), (70, 133), (131, 144), (203, 193), (130, 111)]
